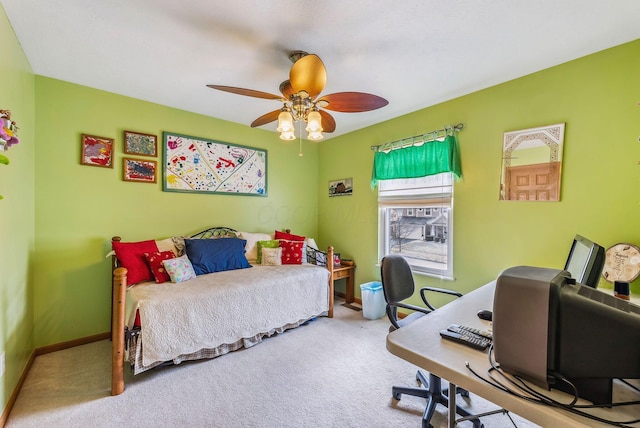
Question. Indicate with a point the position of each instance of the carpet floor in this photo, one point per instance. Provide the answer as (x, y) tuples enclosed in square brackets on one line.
[(327, 373)]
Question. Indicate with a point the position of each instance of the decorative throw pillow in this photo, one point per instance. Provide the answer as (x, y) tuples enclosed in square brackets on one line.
[(252, 244), (131, 256), (271, 256), (167, 245), (179, 269), (288, 236), (216, 255), (272, 243), (291, 252), (155, 263)]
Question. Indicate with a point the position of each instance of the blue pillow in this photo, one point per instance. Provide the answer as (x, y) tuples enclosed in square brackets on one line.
[(216, 255)]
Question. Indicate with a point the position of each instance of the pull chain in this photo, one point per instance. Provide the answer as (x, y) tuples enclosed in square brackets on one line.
[(300, 138)]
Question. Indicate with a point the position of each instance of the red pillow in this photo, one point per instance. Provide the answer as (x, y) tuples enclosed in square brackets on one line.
[(131, 256), (291, 252), (155, 263), (288, 236)]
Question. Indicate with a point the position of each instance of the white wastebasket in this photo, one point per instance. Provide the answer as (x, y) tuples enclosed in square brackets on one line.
[(373, 304)]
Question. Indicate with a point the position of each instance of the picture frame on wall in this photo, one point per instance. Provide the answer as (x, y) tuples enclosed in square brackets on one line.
[(139, 170), (138, 143), (96, 151), (200, 165), (341, 187)]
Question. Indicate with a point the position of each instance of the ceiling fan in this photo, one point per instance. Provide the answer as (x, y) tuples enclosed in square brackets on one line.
[(300, 102)]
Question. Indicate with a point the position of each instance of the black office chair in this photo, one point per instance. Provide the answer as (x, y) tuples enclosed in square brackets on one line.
[(398, 285)]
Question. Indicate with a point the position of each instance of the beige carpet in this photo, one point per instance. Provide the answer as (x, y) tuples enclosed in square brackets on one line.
[(328, 373)]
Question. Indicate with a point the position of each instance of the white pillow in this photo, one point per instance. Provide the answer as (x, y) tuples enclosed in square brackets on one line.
[(271, 256), (251, 247)]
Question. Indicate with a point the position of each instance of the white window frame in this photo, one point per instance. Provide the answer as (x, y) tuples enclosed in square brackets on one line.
[(434, 191)]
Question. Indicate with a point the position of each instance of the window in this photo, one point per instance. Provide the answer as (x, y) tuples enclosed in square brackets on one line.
[(416, 220)]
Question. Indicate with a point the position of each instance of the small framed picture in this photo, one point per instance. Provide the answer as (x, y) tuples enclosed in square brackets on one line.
[(140, 170), (341, 187), (97, 151), (137, 143)]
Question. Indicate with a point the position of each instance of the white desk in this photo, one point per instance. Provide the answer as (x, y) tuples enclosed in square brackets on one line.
[(421, 344)]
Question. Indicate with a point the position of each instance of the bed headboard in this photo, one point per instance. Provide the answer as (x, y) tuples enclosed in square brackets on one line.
[(216, 232)]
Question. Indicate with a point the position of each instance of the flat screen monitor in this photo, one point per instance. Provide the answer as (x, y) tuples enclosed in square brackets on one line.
[(585, 261)]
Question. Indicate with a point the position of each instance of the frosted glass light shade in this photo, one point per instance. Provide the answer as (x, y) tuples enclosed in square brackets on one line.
[(285, 122), (314, 122)]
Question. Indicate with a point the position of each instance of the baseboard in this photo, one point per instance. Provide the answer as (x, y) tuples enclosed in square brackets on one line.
[(72, 343), (344, 296), (16, 390), (41, 351)]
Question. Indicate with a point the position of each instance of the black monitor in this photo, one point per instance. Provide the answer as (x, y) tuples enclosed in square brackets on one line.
[(585, 261), (547, 328)]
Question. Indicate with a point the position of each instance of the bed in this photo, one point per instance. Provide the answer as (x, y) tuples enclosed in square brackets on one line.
[(214, 313)]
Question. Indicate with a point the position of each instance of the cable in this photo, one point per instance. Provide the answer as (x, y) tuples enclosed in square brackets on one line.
[(537, 397)]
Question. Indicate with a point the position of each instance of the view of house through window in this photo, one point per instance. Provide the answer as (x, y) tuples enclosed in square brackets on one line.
[(415, 218)]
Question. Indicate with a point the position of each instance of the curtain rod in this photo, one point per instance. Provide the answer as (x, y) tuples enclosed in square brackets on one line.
[(422, 138)]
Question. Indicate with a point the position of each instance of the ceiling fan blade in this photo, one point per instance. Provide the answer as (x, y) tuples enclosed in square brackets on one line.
[(328, 122), (286, 89), (352, 102), (247, 92), (266, 118), (308, 74)]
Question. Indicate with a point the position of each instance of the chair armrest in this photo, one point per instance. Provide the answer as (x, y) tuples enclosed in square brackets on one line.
[(392, 311), (424, 290)]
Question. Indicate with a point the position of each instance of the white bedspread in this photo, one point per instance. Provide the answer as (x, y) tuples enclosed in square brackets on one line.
[(223, 307)]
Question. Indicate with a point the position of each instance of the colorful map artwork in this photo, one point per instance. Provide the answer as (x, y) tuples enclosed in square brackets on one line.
[(199, 165)]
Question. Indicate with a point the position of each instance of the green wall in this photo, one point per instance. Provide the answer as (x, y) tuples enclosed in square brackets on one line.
[(16, 212), (79, 208), (596, 96)]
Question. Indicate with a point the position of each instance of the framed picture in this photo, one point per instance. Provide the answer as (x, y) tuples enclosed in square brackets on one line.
[(97, 151), (200, 165), (342, 187), (143, 171), (137, 143)]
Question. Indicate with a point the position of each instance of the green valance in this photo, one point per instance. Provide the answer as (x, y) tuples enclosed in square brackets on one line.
[(429, 158)]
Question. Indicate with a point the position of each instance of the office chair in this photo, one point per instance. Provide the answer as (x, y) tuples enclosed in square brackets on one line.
[(398, 285)]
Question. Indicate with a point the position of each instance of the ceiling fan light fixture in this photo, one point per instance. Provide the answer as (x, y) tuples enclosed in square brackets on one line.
[(314, 122), (285, 122), (287, 135), (315, 136)]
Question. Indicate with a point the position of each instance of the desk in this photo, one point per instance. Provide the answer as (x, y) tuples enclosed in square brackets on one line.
[(348, 272), (421, 344)]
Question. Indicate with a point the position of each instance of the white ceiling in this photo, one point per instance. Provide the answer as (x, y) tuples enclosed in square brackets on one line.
[(414, 53)]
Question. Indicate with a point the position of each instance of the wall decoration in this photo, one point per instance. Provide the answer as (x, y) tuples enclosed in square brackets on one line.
[(137, 143), (342, 187), (532, 164), (139, 170), (622, 263), (97, 151), (200, 165), (8, 130), (8, 135)]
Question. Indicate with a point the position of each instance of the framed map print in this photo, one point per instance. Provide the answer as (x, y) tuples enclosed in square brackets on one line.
[(200, 165)]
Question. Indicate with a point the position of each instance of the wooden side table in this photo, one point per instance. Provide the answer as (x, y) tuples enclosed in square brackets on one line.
[(348, 272)]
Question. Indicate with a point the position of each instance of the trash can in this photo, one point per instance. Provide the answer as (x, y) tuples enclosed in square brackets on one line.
[(373, 304)]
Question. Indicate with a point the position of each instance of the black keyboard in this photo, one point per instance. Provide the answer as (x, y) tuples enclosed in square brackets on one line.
[(467, 338)]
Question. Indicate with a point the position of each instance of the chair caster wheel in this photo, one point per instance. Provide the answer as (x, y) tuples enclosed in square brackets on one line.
[(464, 393), (397, 396)]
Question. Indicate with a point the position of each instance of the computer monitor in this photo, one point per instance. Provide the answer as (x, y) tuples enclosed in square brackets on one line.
[(585, 261), (547, 328)]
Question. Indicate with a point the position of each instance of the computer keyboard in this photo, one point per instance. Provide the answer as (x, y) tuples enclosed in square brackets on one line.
[(466, 338)]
